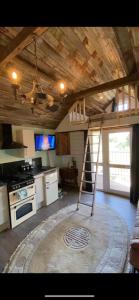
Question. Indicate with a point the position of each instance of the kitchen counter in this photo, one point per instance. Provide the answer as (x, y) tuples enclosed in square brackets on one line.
[(41, 170)]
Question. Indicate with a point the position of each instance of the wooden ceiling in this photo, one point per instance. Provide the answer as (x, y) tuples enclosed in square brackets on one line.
[(82, 56)]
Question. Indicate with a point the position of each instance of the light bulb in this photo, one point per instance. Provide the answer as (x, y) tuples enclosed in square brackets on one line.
[(62, 85), (14, 75), (32, 100)]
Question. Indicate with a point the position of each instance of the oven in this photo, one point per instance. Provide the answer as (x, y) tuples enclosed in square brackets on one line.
[(21, 211), (22, 204)]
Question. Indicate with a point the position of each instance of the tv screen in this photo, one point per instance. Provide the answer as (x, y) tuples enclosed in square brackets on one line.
[(44, 142)]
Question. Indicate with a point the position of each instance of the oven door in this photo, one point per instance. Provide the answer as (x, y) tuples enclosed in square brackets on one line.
[(22, 211)]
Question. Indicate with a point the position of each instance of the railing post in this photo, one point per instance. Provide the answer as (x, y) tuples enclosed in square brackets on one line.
[(129, 97)]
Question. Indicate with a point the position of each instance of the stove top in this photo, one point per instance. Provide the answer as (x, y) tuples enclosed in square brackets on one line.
[(18, 181)]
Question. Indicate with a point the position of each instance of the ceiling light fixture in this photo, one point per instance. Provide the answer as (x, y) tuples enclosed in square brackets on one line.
[(14, 75), (37, 94), (61, 87)]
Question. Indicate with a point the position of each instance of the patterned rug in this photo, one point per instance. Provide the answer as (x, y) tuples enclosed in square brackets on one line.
[(72, 241)]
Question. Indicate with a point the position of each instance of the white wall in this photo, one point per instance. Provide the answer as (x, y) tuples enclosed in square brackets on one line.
[(77, 150)]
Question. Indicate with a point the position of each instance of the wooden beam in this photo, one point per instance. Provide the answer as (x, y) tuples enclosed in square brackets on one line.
[(110, 85), (125, 49), (16, 45), (24, 64)]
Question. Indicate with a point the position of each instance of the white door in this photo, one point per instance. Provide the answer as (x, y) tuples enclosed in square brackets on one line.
[(119, 160), (114, 160)]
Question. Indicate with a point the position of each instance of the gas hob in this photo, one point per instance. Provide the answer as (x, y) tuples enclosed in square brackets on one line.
[(18, 181)]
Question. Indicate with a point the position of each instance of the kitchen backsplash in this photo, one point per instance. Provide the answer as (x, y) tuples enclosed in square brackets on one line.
[(10, 155)]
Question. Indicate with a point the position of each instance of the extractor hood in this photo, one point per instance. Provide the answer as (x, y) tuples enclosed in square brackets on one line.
[(7, 139)]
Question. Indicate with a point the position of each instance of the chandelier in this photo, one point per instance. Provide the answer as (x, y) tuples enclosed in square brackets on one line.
[(37, 95)]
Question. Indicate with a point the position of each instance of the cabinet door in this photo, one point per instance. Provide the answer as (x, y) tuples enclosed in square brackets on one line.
[(39, 189), (62, 143), (4, 210), (51, 192)]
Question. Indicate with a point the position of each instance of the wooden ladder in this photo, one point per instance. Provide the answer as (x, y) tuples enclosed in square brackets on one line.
[(84, 170)]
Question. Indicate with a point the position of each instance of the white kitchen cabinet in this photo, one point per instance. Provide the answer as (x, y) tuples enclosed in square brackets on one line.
[(39, 190), (4, 209), (26, 137)]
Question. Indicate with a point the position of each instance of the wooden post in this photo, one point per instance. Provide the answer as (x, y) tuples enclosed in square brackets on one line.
[(123, 96), (84, 109), (129, 98), (75, 111), (80, 111)]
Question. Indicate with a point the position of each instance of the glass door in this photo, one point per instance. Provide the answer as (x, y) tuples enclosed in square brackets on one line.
[(114, 160), (118, 167), (94, 143)]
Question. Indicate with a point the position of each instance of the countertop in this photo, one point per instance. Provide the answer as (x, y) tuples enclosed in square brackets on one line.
[(33, 172), (39, 171)]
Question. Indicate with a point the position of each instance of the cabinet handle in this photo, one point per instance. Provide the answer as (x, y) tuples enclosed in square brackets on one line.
[(47, 188)]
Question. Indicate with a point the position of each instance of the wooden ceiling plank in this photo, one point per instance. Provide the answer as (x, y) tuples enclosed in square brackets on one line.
[(110, 85), (16, 45), (125, 49)]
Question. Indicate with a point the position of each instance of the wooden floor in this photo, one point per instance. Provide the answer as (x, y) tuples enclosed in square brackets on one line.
[(10, 239)]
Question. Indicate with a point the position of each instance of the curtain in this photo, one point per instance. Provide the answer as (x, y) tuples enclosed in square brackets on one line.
[(134, 191)]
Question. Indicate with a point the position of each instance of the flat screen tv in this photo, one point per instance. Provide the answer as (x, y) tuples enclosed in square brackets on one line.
[(44, 142)]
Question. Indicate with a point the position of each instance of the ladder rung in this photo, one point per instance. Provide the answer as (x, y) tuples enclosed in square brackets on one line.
[(85, 204), (92, 162), (86, 171), (93, 143), (91, 152), (94, 135), (87, 181), (82, 191)]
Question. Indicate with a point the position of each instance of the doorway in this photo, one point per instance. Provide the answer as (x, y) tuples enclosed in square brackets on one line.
[(114, 161)]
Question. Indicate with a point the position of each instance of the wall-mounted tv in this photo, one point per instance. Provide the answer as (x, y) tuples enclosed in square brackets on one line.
[(44, 142)]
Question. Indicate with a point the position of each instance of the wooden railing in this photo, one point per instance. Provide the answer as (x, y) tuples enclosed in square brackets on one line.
[(77, 114)]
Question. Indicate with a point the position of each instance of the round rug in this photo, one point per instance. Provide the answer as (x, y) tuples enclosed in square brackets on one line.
[(72, 241)]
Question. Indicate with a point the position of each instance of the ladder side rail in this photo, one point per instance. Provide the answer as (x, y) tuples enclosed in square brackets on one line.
[(83, 168), (96, 172)]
